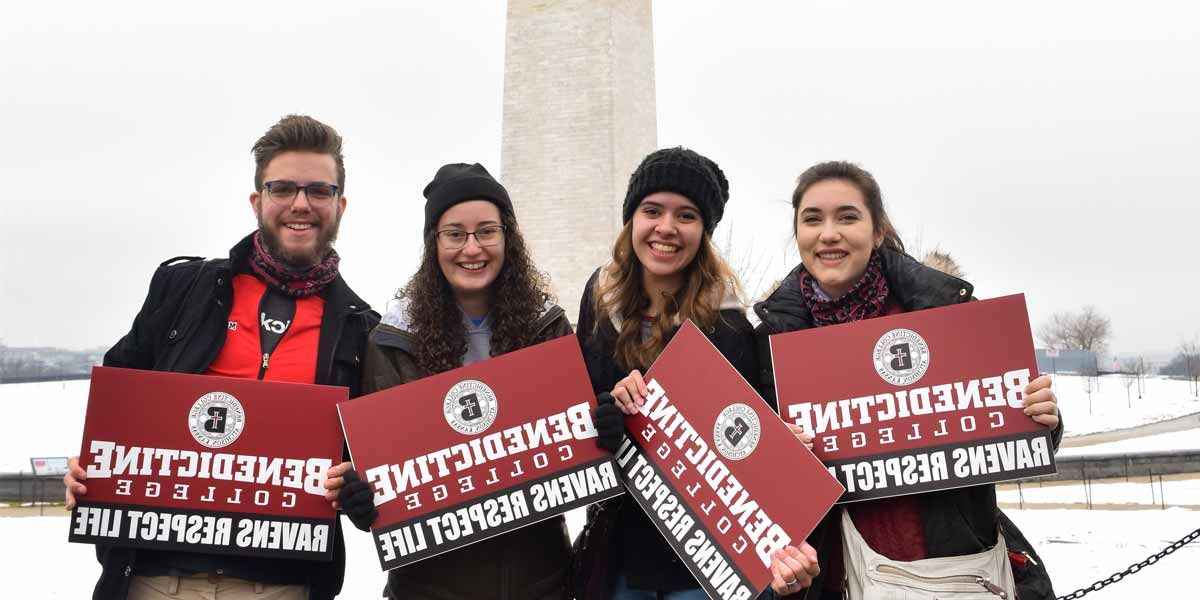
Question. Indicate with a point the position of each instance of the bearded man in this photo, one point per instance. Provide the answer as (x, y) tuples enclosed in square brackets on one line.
[(275, 310)]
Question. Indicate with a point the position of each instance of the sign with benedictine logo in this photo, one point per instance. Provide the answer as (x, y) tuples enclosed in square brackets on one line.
[(919, 401), (469, 454), (722, 478), (208, 464)]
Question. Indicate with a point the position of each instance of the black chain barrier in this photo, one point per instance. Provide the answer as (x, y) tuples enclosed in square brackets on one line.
[(1115, 577)]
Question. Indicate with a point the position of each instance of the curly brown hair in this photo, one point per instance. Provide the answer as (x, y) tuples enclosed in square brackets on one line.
[(518, 295), (708, 279)]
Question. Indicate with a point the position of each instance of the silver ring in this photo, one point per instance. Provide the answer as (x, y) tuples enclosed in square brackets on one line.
[(790, 583)]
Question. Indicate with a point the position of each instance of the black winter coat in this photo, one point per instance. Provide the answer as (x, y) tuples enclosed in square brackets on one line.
[(599, 549), (959, 521), (181, 328)]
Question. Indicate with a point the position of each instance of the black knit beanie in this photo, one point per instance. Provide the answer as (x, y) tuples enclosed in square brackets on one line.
[(684, 172), (459, 182)]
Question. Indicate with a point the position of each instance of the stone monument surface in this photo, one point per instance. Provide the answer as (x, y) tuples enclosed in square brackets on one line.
[(579, 115)]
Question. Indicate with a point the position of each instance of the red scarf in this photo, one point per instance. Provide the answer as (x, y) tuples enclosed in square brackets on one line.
[(865, 300), (293, 282)]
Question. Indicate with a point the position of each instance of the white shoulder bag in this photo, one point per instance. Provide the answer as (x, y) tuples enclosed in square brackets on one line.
[(986, 575)]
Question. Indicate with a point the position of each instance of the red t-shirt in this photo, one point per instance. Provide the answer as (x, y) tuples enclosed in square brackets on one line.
[(294, 358)]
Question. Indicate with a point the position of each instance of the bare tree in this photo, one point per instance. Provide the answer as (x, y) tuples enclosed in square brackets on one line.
[(1141, 376), (1190, 352), (13, 365), (1091, 379), (1130, 376), (749, 263), (1084, 330)]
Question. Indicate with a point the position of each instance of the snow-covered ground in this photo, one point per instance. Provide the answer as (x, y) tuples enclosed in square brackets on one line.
[(1108, 409), (50, 415), (1138, 491), (1078, 547), (46, 420), (1176, 440)]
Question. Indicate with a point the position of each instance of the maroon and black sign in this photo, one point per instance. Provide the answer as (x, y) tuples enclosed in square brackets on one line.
[(472, 453), (208, 464), (915, 402), (720, 476)]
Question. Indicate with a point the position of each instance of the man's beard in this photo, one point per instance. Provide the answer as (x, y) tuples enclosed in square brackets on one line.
[(300, 260)]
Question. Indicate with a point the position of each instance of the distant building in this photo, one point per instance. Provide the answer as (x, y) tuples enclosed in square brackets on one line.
[(1076, 362), (35, 363)]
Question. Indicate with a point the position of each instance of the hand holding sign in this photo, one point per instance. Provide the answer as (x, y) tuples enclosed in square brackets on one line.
[(793, 569), (610, 422), (74, 481), (358, 501), (805, 437), (630, 392), (1040, 402), (335, 479)]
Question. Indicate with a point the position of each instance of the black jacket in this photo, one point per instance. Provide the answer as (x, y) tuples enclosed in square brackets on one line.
[(181, 328), (614, 523), (959, 521), (529, 563)]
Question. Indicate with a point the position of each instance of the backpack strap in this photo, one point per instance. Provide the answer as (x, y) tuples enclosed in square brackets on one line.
[(179, 259)]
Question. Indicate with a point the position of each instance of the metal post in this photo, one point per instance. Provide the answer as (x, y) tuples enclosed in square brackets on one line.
[(1153, 499), (1087, 488)]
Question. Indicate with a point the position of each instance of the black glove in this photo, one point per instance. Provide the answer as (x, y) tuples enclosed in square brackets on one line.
[(357, 501), (610, 423)]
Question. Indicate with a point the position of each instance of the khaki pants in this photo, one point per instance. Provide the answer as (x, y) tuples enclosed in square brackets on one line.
[(214, 587)]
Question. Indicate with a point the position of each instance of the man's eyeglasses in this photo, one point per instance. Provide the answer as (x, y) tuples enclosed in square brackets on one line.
[(455, 239), (282, 191)]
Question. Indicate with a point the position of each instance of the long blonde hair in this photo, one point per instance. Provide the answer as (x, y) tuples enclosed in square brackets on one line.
[(708, 280)]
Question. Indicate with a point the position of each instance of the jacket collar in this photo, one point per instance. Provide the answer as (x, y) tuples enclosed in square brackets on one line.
[(337, 295), (913, 285), (395, 330), (240, 253)]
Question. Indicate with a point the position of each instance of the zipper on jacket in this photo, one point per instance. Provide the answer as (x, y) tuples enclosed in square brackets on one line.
[(274, 311), (984, 582)]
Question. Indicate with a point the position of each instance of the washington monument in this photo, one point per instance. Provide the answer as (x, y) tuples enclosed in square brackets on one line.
[(578, 117)]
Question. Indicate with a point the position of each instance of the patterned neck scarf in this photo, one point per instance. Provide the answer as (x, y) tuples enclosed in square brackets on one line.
[(298, 283), (864, 301)]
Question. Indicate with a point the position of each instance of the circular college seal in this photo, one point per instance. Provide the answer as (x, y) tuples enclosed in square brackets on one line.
[(737, 431), (216, 419), (470, 407), (901, 357)]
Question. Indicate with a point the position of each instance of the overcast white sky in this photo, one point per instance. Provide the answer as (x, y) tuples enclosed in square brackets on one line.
[(1052, 147)]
